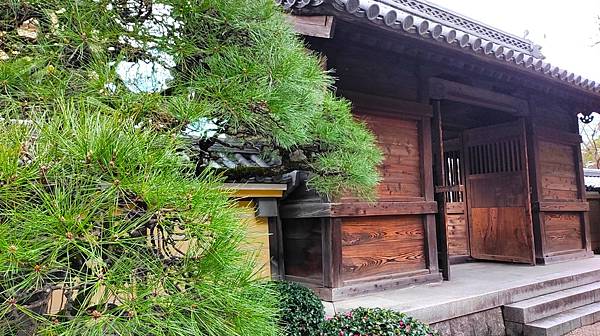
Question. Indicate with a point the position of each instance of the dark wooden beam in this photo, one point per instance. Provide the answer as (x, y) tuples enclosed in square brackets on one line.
[(305, 210), (382, 208), (446, 90), (556, 136), (385, 105), (316, 26), (571, 206)]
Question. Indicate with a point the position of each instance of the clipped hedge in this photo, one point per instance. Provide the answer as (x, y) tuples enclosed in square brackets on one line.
[(375, 322), (302, 312)]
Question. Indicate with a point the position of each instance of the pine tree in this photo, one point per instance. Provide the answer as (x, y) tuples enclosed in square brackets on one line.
[(106, 198)]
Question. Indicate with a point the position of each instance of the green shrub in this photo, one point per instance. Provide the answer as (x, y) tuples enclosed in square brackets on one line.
[(101, 182), (301, 310), (375, 322)]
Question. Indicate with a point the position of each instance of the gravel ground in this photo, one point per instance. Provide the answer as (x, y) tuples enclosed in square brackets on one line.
[(591, 330)]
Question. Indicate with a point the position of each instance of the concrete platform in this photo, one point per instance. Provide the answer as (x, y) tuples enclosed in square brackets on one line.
[(477, 287)]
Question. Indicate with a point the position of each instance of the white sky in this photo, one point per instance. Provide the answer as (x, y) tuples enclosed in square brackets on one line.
[(566, 30)]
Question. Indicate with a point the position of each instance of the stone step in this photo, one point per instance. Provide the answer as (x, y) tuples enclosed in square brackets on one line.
[(550, 304), (565, 322), (468, 304)]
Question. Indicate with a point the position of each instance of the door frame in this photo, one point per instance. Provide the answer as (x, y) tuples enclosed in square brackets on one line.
[(439, 90)]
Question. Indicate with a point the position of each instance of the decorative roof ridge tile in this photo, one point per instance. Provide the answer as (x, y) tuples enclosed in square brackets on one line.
[(381, 12), (458, 21)]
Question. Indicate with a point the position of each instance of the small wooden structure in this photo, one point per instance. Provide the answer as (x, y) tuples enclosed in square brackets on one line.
[(258, 211), (259, 205), (481, 144)]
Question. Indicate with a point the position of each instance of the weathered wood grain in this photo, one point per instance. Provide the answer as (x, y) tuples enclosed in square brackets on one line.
[(382, 208), (563, 231), (562, 206), (500, 232), (382, 245), (458, 239), (399, 141), (558, 171), (498, 193)]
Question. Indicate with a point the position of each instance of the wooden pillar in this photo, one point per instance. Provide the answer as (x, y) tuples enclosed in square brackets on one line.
[(332, 251), (585, 219), (424, 73), (440, 195), (428, 187), (535, 181), (276, 248)]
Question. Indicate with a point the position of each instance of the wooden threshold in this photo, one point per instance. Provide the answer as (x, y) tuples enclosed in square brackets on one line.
[(511, 259), (460, 259), (564, 256)]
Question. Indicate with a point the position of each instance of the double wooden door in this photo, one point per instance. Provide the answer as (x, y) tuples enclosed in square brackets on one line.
[(497, 189)]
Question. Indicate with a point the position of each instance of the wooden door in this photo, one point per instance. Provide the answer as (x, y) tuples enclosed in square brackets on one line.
[(498, 193)]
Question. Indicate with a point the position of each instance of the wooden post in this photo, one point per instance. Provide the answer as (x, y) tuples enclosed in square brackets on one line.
[(585, 219), (424, 74), (332, 253), (535, 181), (276, 246), (428, 187), (440, 197)]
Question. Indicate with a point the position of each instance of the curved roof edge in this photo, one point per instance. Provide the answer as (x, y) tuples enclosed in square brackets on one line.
[(395, 16)]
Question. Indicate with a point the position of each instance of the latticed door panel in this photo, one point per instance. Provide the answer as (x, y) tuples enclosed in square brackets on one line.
[(497, 186)]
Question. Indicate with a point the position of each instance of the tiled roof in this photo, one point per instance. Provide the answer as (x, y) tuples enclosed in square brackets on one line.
[(428, 21), (592, 179), (229, 158)]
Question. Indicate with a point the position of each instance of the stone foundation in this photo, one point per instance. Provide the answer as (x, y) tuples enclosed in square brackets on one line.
[(485, 323)]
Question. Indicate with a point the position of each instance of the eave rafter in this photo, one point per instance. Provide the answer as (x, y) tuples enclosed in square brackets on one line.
[(394, 16)]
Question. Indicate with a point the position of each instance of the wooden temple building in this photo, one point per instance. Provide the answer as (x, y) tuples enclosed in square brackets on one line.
[(481, 143)]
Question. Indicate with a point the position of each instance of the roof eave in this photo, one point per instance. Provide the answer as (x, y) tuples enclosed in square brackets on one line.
[(378, 13)]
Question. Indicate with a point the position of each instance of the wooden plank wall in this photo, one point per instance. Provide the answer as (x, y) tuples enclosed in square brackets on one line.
[(559, 178), (377, 246), (458, 237), (559, 183), (401, 169)]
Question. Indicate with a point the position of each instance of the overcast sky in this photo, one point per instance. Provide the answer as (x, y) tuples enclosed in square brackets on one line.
[(567, 30)]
